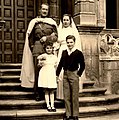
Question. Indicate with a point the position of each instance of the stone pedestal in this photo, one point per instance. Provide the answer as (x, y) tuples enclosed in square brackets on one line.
[(109, 77), (89, 38)]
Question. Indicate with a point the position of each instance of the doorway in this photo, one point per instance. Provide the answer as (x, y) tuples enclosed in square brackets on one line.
[(16, 14), (67, 7)]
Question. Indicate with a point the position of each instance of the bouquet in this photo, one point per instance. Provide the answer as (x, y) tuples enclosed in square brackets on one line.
[(41, 60)]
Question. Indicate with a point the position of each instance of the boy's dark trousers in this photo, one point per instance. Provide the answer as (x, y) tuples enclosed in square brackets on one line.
[(71, 93)]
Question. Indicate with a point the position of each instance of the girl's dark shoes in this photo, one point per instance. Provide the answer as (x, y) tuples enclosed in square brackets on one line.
[(53, 109), (49, 109)]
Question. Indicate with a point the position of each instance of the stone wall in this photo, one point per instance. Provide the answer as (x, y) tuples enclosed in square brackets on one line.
[(109, 63)]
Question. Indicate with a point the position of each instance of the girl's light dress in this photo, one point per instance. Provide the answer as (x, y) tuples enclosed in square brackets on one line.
[(47, 74)]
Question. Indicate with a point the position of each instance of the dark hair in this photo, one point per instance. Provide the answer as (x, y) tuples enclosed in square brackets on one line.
[(70, 37), (68, 16), (47, 43)]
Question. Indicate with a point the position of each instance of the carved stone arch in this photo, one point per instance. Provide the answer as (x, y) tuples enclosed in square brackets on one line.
[(109, 45), (108, 37)]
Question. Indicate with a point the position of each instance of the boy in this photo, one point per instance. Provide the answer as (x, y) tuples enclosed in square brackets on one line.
[(70, 61)]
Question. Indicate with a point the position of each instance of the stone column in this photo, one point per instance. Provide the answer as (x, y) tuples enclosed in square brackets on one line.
[(84, 12), (101, 13)]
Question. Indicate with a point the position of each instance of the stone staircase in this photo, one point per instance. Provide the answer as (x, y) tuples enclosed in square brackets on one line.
[(17, 103)]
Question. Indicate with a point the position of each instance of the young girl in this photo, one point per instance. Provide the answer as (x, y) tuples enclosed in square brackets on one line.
[(47, 75)]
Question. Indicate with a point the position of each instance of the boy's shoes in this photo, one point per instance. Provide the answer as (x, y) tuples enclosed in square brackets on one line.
[(70, 118), (67, 118), (75, 118)]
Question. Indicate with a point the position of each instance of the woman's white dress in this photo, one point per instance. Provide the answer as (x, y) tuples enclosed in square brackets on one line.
[(47, 74), (62, 34)]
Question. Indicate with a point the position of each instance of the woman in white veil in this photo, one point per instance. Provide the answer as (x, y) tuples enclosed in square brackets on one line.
[(65, 28)]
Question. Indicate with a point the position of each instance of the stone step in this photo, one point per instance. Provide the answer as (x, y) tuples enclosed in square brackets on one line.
[(98, 100), (32, 104), (8, 72), (10, 86), (43, 114), (20, 95), (92, 91), (88, 84), (10, 65), (13, 87), (27, 104), (10, 78)]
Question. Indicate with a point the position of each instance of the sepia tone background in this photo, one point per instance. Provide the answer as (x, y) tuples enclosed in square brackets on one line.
[(94, 18)]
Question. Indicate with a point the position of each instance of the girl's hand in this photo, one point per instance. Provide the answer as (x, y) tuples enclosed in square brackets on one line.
[(41, 63), (43, 39)]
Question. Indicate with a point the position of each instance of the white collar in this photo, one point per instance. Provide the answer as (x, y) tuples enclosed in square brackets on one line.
[(70, 51)]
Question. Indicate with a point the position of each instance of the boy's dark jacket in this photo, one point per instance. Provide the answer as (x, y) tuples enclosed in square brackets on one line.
[(71, 62)]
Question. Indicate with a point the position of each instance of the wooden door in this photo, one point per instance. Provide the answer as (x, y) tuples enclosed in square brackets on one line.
[(16, 14)]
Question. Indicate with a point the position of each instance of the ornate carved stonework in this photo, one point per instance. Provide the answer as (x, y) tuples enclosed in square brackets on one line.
[(109, 63), (109, 47)]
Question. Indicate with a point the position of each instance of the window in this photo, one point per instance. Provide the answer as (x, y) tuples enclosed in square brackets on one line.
[(111, 14)]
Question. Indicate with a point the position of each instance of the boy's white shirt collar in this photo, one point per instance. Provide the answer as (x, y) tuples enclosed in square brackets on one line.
[(70, 51)]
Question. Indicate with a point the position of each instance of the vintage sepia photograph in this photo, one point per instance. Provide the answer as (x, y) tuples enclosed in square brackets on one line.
[(59, 59)]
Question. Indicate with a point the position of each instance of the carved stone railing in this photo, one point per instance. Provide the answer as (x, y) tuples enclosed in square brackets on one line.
[(109, 63)]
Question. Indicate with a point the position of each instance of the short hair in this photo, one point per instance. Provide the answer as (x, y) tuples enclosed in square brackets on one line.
[(71, 37), (45, 4)]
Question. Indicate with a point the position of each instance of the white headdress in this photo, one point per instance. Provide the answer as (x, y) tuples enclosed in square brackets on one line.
[(74, 32)]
